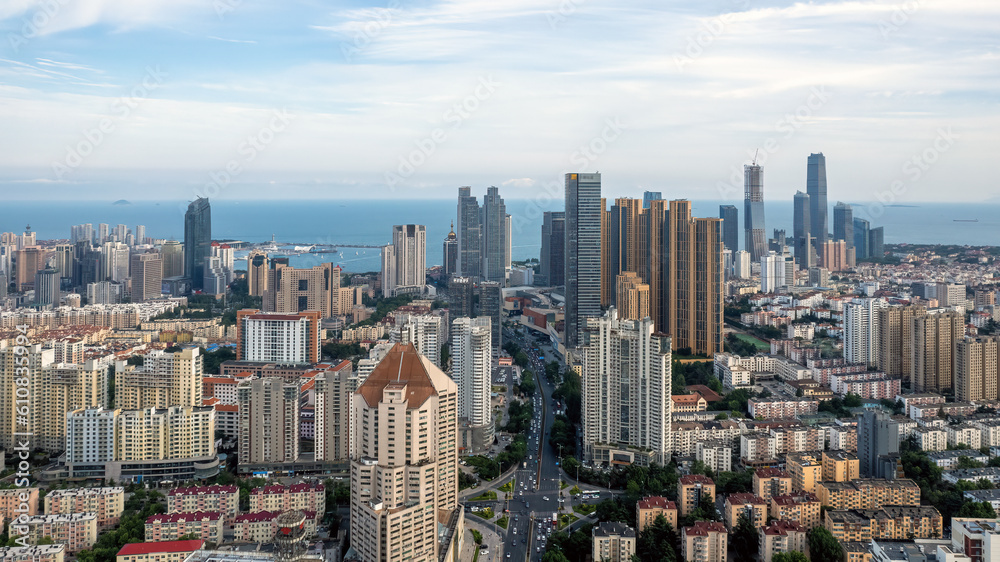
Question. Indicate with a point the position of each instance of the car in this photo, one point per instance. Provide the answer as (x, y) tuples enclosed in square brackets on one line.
[(546, 498), (508, 555)]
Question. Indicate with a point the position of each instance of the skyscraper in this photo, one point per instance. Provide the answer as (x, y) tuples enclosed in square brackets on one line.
[(461, 292), (625, 389), (861, 235), (632, 296), (491, 306), (295, 290), (404, 460), (269, 420), (140, 234), (876, 243), (553, 256), (753, 214), (147, 276), (843, 223), (197, 241), (649, 196), (257, 273), (816, 188), (472, 370), (450, 253), (895, 334), (694, 295), (278, 338), (878, 442), (47, 288), (772, 272), (334, 390), (730, 216), (583, 253), (861, 337), (493, 220), (976, 368), (802, 230), (469, 234), (404, 262), (624, 245), (172, 253), (932, 346)]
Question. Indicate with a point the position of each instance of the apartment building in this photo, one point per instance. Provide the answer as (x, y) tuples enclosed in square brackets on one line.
[(868, 493), (206, 525), (15, 502), (840, 466), (78, 531), (716, 454), (262, 526), (753, 507), (772, 408), (43, 553), (166, 551), (225, 499), (782, 536), (692, 489), (307, 496), (613, 542), (758, 446), (889, 522), (107, 503), (931, 438), (806, 470), (649, 508), (269, 420), (290, 290), (770, 482), (286, 338), (705, 541), (801, 507), (334, 388), (163, 380)]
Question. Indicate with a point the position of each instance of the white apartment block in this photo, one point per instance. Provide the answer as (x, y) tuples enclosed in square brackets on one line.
[(931, 438), (619, 353), (717, 455), (78, 531), (968, 434), (43, 553), (334, 389), (427, 333), (269, 420), (861, 330), (225, 499), (278, 338), (472, 368), (735, 371), (990, 432), (768, 408)]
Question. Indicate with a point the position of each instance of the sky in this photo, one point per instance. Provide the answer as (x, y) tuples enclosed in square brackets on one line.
[(402, 99)]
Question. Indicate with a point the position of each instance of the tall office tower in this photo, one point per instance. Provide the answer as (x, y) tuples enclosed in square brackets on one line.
[(472, 370), (278, 338), (861, 230), (843, 223), (295, 290), (833, 255), (450, 252), (404, 266), (878, 440), (470, 261), (147, 276), (861, 337), (895, 336), (30, 261), (951, 294), (976, 369), (802, 230), (816, 189), (772, 273), (626, 245), (115, 261), (694, 296), (649, 196), (553, 255), (461, 294), (47, 288), (102, 233), (257, 273), (932, 345), (120, 232), (583, 253), (741, 264), (140, 234), (172, 253), (876, 243), (508, 249), (226, 257), (214, 282), (4, 282), (269, 420), (493, 221), (401, 487), (164, 379), (6, 259), (753, 213), (63, 260), (197, 241), (334, 389), (625, 385), (730, 216), (427, 333), (633, 296), (491, 306)]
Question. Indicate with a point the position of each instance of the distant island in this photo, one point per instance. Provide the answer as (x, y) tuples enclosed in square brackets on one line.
[(122, 202)]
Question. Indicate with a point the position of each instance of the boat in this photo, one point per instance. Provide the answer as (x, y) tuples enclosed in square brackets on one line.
[(966, 220)]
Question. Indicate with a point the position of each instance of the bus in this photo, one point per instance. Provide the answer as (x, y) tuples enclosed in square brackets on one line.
[(590, 494)]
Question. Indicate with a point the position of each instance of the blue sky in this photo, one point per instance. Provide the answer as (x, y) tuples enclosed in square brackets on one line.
[(164, 99)]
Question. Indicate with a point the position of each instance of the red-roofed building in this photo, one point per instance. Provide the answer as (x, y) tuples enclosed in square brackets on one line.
[(261, 526), (223, 388), (707, 393), (752, 506), (166, 551), (206, 525), (204, 498), (705, 541), (648, 509), (802, 507), (781, 536), (770, 482), (684, 403), (304, 497), (691, 488)]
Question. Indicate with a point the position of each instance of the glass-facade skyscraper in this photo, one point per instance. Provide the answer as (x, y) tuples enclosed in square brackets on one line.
[(730, 216), (843, 223), (861, 232), (802, 230), (469, 233), (583, 253), (816, 188), (493, 221), (753, 213), (197, 241), (553, 256)]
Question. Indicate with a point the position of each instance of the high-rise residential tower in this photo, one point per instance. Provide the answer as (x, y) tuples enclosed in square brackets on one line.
[(472, 370), (493, 220), (583, 253), (47, 288), (816, 188), (876, 242), (553, 256), (268, 420), (470, 261), (802, 230), (753, 214), (976, 368), (843, 223), (730, 216), (878, 442), (649, 196), (693, 300), (334, 390), (197, 240), (450, 252), (932, 346), (257, 273), (147, 276), (404, 262), (861, 337)]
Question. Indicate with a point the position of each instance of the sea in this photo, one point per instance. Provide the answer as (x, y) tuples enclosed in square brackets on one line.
[(369, 222)]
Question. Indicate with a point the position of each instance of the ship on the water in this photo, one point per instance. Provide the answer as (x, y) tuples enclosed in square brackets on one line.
[(965, 220)]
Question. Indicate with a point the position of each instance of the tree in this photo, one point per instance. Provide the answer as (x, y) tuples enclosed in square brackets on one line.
[(657, 542), (744, 539), (980, 510), (852, 400), (477, 537), (793, 556), (823, 547)]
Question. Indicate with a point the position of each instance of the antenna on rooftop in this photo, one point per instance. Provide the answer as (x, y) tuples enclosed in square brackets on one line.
[(755, 156)]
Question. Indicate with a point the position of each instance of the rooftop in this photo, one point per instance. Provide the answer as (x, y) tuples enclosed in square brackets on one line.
[(165, 546), (402, 364), (658, 502)]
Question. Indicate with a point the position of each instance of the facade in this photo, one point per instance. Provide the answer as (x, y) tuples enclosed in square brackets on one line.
[(164, 379), (632, 296), (44, 553), (774, 408), (106, 503), (868, 493), (613, 542), (782, 536), (800, 507), (806, 471), (78, 531), (553, 255), (334, 389), (691, 490), (890, 522), (753, 507), (802, 231), (197, 240), (262, 526), (878, 438), (390, 521), (693, 300), (269, 420), (472, 371), (840, 466), (770, 482), (257, 273), (278, 338), (309, 497), (976, 369), (491, 306), (584, 211), (861, 338), (649, 508), (862, 235), (449, 252), (625, 386), (772, 272), (404, 262), (225, 499), (933, 340), (816, 189), (469, 235), (730, 216), (427, 332), (167, 551), (753, 213), (205, 525), (704, 541), (15, 502), (843, 223), (289, 290), (493, 220), (147, 276), (835, 256)]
